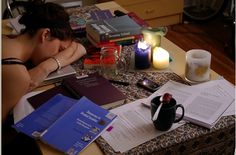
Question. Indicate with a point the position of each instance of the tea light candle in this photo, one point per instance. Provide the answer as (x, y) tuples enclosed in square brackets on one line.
[(160, 58), (142, 55)]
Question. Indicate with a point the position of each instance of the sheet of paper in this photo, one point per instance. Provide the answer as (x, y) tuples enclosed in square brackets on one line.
[(133, 127), (231, 109), (205, 103), (23, 107)]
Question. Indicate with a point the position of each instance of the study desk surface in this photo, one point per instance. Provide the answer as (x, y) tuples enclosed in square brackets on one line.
[(177, 66)]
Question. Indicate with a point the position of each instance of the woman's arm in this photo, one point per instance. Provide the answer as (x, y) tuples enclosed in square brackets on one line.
[(71, 54), (65, 57), (15, 83)]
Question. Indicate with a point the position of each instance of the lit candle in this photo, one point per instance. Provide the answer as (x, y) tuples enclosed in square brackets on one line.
[(160, 58), (142, 55)]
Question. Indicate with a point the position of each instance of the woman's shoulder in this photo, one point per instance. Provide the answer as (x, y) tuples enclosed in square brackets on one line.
[(15, 74), (12, 61)]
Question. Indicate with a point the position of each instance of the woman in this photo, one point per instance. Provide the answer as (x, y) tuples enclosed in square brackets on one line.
[(46, 42)]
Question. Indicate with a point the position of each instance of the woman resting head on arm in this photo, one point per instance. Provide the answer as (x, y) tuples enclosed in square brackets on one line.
[(47, 41)]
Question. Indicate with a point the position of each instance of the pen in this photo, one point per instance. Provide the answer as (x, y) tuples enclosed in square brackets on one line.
[(119, 82), (81, 77)]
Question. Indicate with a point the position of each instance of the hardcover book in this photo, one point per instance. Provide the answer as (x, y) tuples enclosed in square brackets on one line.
[(127, 40), (94, 86), (101, 14), (66, 124), (117, 27), (78, 22), (97, 88)]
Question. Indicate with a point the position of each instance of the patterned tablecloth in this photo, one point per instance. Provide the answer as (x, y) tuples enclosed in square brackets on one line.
[(188, 138)]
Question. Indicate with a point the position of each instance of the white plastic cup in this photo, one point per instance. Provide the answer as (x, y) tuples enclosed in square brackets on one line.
[(198, 64)]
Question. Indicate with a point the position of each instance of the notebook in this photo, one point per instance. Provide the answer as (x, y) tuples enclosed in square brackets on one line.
[(57, 76)]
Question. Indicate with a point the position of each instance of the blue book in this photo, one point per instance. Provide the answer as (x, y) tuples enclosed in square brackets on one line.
[(66, 124)]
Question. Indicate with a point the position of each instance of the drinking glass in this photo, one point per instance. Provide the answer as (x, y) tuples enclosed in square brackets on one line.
[(111, 62)]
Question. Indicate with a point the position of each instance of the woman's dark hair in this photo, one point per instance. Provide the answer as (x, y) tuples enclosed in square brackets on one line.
[(47, 15)]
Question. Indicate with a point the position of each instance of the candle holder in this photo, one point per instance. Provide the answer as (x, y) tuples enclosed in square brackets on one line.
[(160, 58), (142, 55), (153, 35)]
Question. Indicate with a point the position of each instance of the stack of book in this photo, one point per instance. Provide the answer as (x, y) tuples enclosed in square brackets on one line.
[(78, 22), (120, 30)]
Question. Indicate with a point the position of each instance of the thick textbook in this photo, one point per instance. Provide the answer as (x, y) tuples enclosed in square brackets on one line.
[(66, 124), (117, 27), (78, 22), (94, 86), (127, 40)]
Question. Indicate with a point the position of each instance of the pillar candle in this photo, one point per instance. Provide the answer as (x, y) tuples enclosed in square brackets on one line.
[(160, 58), (142, 55)]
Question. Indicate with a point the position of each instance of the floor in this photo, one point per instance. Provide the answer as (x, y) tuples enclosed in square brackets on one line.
[(215, 36)]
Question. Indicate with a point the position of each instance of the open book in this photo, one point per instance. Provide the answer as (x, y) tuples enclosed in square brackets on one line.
[(204, 103), (66, 124)]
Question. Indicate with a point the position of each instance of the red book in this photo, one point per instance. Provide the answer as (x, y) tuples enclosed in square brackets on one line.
[(138, 20), (92, 59)]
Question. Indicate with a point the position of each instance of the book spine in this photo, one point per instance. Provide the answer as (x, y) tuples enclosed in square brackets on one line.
[(100, 35), (90, 30), (118, 35), (71, 90), (119, 41)]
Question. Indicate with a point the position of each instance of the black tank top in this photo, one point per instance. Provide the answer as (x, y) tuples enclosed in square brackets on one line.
[(11, 61)]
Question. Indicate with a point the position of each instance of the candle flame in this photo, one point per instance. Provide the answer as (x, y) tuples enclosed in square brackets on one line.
[(143, 45)]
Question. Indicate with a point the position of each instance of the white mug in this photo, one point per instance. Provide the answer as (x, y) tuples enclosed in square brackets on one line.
[(198, 64)]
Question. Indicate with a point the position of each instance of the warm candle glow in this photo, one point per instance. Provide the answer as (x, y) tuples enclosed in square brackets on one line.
[(160, 58), (142, 45)]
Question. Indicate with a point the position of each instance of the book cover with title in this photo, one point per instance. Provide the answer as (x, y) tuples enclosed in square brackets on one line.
[(72, 129)]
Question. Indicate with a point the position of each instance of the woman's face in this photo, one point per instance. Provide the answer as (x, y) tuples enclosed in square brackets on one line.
[(48, 49)]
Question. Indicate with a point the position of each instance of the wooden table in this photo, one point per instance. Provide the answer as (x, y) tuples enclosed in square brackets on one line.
[(177, 66)]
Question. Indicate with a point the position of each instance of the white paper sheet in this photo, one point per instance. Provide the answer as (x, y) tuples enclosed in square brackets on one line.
[(231, 109), (23, 107), (204, 103), (133, 127)]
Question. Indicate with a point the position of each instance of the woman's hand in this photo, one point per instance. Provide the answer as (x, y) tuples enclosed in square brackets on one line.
[(70, 54)]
